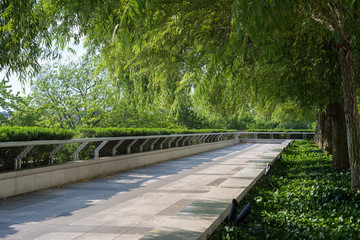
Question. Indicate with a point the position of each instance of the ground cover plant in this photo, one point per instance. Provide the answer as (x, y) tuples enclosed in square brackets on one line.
[(302, 198)]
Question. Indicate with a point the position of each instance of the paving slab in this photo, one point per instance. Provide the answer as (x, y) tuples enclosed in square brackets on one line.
[(179, 199)]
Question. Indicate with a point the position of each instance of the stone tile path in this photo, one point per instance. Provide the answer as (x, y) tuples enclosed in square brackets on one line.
[(179, 199)]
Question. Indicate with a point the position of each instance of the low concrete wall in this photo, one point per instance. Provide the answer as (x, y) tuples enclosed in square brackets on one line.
[(19, 182)]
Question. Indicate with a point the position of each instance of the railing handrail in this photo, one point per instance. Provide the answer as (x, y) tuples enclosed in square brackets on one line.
[(81, 140), (195, 138)]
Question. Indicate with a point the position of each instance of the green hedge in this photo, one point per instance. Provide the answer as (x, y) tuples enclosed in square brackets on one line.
[(9, 134), (40, 155), (120, 132), (280, 130)]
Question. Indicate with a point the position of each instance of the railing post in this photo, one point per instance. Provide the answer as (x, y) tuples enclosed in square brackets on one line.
[(185, 139), (78, 150), (200, 138), (195, 139), (153, 143), (17, 161), (206, 138), (143, 144), (191, 138), (169, 143), (116, 147), (161, 144), (130, 145), (97, 150), (56, 150), (177, 142), (227, 136)]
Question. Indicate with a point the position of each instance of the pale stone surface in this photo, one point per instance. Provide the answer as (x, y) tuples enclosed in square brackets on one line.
[(129, 237), (7, 187), (52, 176), (71, 174), (42, 180), (59, 236), (24, 184), (179, 199), (97, 236)]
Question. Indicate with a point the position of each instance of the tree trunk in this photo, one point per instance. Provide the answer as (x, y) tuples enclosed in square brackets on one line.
[(323, 134), (320, 120), (340, 150), (350, 107), (327, 144)]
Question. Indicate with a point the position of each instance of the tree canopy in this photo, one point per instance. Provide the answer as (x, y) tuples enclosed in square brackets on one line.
[(219, 57)]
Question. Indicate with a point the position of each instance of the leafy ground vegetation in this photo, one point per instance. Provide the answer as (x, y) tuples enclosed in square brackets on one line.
[(302, 198)]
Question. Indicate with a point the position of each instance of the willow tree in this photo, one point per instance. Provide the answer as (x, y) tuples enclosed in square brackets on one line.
[(187, 47), (199, 40), (336, 21), (25, 35)]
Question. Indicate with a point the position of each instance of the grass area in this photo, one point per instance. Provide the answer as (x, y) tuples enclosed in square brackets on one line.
[(302, 198)]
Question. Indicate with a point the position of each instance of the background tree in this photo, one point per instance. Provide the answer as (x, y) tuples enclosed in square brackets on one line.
[(71, 95), (8, 101)]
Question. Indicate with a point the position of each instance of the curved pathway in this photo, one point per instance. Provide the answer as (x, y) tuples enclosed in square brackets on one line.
[(178, 199)]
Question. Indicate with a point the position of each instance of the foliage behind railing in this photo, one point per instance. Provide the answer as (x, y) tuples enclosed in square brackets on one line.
[(10, 134), (15, 155), (117, 132), (280, 130)]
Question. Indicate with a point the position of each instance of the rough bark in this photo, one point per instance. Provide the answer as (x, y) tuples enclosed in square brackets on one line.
[(350, 108), (323, 134), (327, 144), (340, 159), (320, 120), (331, 134)]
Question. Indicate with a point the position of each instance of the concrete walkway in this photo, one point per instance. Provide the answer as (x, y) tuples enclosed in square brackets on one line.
[(179, 199)]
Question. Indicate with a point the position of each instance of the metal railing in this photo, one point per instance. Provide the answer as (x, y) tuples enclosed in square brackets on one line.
[(29, 154), (277, 135)]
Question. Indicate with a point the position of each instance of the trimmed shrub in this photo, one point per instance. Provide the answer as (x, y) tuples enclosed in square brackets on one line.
[(10, 134), (40, 155), (122, 132)]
